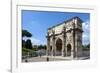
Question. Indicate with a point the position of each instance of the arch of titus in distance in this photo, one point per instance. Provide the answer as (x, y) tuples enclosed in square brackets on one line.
[(65, 39)]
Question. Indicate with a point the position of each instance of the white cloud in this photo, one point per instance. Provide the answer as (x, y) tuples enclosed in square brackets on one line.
[(85, 36), (86, 26), (86, 32), (36, 41)]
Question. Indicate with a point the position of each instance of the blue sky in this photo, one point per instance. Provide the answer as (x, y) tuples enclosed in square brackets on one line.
[(37, 22)]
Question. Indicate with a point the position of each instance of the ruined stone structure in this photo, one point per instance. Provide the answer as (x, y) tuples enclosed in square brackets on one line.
[(65, 39)]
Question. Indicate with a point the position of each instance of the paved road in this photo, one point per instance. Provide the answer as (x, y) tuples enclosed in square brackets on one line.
[(44, 59)]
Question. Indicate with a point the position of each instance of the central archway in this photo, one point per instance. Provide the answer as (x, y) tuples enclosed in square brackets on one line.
[(69, 50), (58, 47)]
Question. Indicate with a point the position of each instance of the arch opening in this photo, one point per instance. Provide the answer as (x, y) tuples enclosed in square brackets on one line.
[(69, 50), (58, 47)]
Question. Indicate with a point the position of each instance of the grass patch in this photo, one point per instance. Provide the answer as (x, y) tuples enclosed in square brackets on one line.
[(30, 52)]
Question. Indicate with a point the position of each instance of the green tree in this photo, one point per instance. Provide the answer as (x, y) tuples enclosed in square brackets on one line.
[(23, 43), (25, 33), (45, 47), (88, 46), (42, 47), (28, 44)]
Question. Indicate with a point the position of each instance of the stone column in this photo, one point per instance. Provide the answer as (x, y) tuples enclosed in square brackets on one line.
[(53, 43), (72, 50), (62, 52), (64, 42), (73, 53), (76, 46), (73, 44), (52, 48), (48, 44)]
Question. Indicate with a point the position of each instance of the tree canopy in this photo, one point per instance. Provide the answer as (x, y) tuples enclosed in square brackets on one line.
[(41, 46), (23, 43), (28, 44), (26, 33)]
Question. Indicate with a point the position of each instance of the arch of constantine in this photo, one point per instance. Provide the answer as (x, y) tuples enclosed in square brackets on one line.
[(65, 39)]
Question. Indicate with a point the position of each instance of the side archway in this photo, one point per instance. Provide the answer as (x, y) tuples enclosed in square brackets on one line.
[(58, 47), (69, 50)]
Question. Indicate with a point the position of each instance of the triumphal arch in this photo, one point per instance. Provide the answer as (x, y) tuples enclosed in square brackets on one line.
[(65, 39)]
